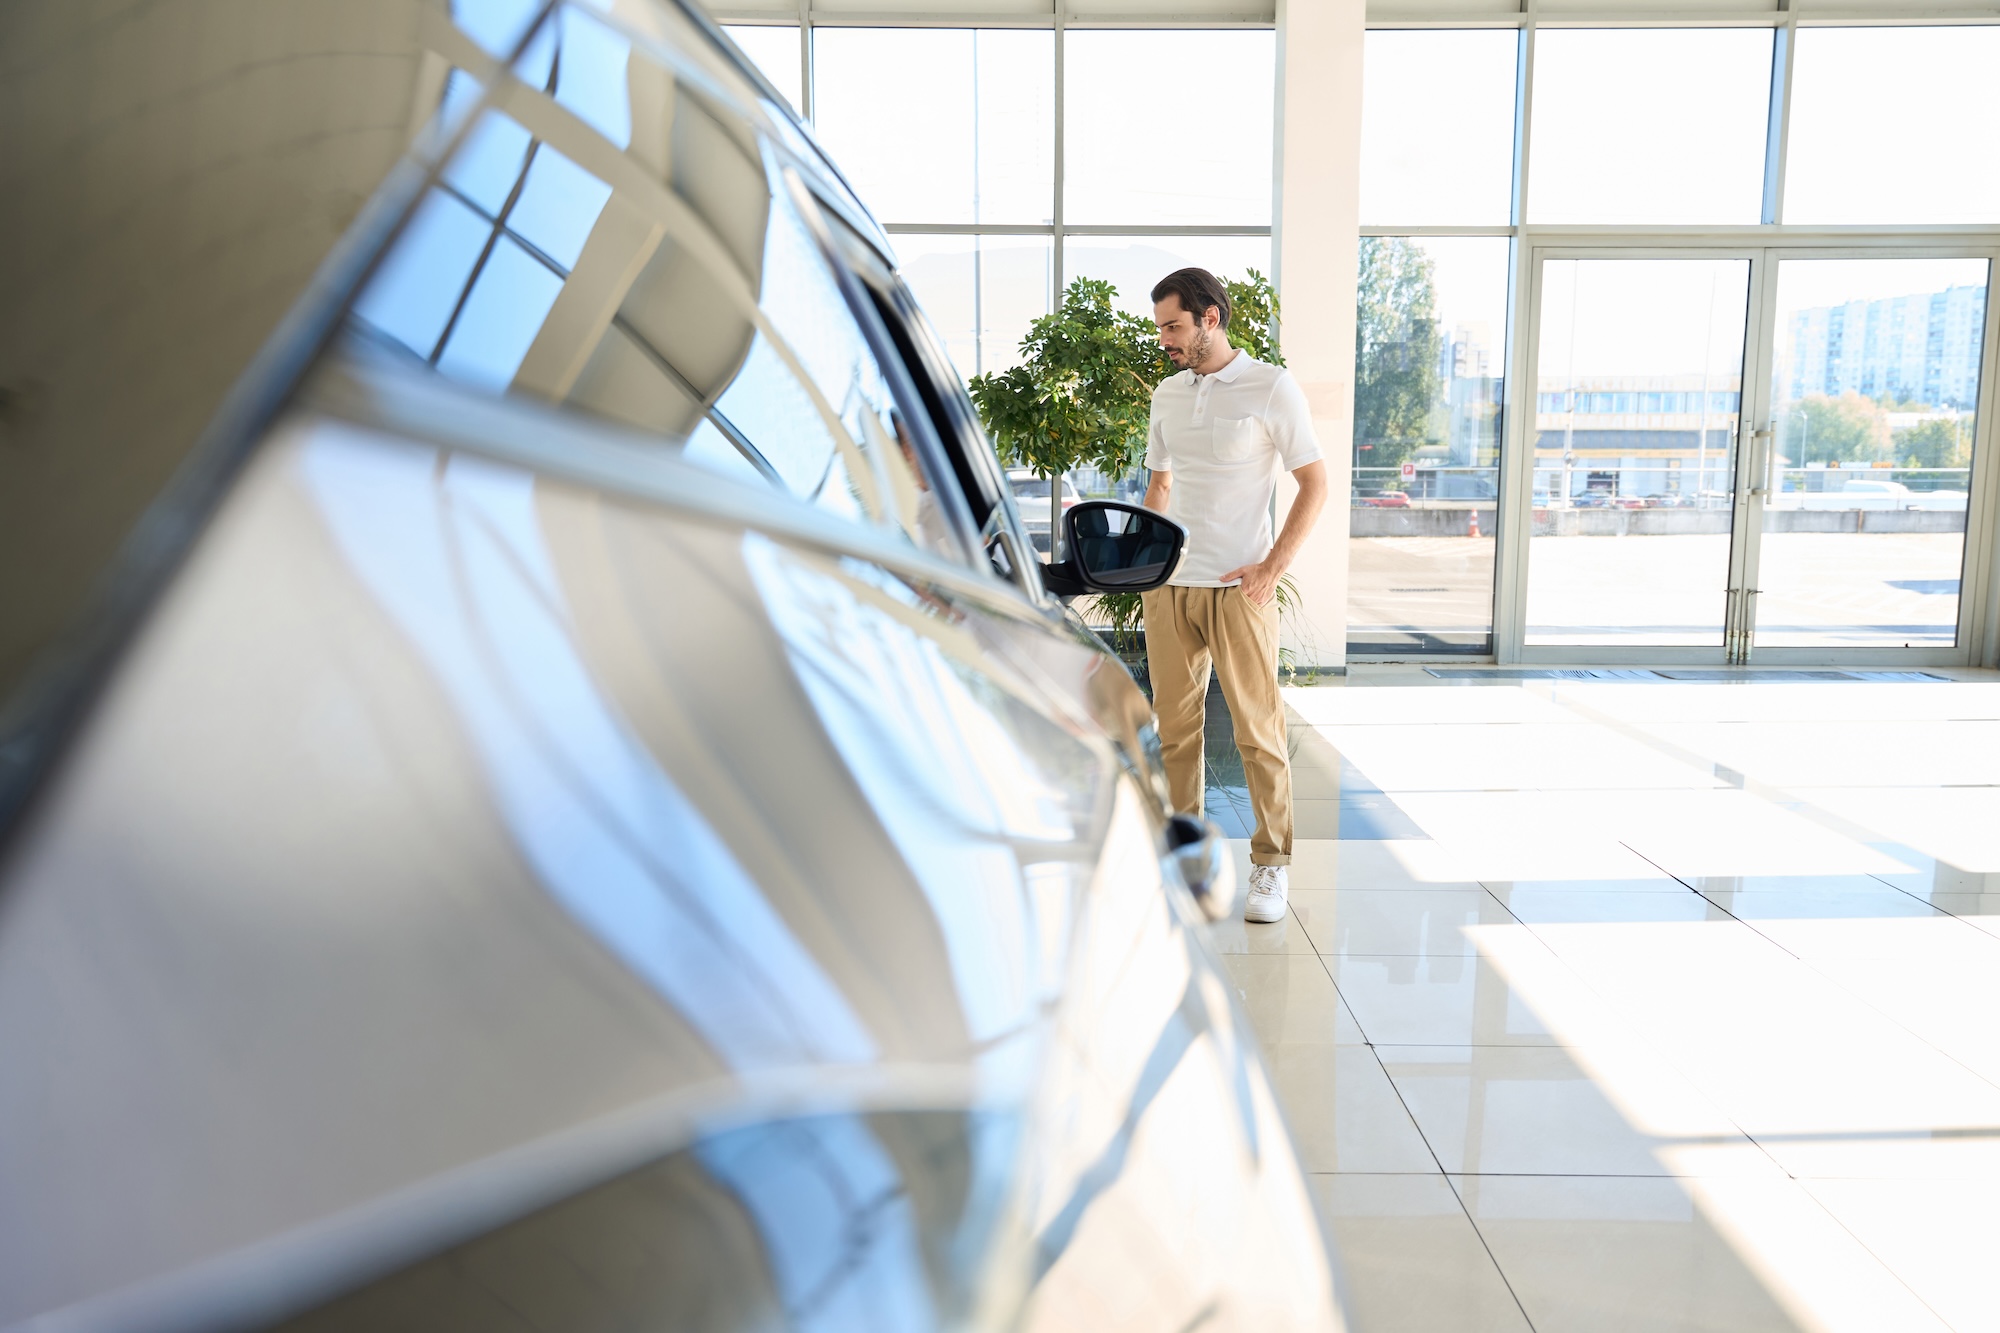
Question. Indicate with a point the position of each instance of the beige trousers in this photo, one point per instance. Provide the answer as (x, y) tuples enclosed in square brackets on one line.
[(1187, 629)]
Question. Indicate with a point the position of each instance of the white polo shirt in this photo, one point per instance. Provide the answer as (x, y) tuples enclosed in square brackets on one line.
[(1224, 437)]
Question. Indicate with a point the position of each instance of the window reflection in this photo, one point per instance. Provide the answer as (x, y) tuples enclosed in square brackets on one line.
[(548, 260), (455, 555), (969, 782)]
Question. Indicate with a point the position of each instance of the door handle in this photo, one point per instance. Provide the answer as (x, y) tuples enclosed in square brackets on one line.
[(1198, 856)]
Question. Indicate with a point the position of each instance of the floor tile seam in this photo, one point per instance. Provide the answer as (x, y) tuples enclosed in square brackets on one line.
[(1808, 962), (1406, 1175), (1637, 1033), (1407, 1114), (1946, 910), (1424, 1139), (1352, 1017), (1299, 921), (1428, 886), (1593, 788), (1487, 1245), (1870, 1251), (1897, 1022), (1652, 1142), (1612, 1175), (1776, 796), (1453, 1179), (1698, 893), (1422, 953)]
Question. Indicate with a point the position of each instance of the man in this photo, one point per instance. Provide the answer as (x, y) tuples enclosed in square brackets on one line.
[(1220, 431)]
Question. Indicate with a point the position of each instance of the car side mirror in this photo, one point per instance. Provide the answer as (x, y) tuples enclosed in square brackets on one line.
[(1114, 547), (1198, 855)]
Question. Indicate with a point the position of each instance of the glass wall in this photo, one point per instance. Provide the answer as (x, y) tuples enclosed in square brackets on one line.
[(1639, 385), (1641, 525), (1139, 153), (1874, 396), (1430, 340), (774, 49), (956, 155), (1894, 125), (949, 135), (1007, 161), (964, 131), (1658, 126)]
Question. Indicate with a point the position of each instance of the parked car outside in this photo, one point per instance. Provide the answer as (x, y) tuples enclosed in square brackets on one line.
[(1031, 498), (1873, 494), (1389, 500), (578, 807)]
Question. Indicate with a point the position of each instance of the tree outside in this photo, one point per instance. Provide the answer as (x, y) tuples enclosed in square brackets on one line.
[(1939, 442), (1397, 350), (1820, 429)]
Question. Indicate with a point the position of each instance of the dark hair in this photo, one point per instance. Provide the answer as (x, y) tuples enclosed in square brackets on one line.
[(1198, 289)]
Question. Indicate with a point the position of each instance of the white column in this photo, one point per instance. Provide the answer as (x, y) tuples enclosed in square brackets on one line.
[(1317, 216)]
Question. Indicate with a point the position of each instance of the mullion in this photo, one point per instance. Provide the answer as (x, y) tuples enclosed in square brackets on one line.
[(499, 222)]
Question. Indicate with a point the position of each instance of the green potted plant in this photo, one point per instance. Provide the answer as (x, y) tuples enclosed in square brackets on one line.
[(1081, 397)]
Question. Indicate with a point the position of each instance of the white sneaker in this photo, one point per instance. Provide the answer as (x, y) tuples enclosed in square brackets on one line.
[(1267, 894)]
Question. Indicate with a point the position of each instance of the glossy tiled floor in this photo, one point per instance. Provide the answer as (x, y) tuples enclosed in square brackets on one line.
[(1649, 1006)]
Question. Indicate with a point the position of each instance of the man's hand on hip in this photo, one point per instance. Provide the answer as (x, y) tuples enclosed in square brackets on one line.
[(1260, 580)]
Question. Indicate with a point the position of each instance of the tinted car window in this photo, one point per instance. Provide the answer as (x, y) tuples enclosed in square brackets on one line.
[(623, 241)]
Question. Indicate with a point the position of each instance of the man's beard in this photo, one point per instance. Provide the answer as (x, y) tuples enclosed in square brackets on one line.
[(1197, 349)]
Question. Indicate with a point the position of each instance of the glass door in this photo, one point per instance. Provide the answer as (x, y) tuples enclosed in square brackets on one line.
[(1865, 477), (1638, 386)]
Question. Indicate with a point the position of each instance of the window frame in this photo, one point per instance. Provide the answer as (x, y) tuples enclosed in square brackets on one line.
[(1772, 238), (1772, 235), (806, 18)]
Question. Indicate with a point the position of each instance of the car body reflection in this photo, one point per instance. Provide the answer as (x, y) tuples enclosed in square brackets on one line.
[(602, 824)]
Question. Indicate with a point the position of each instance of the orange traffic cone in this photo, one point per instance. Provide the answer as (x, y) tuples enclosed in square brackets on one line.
[(1473, 529)]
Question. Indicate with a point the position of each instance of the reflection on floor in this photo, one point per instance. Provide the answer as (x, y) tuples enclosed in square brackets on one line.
[(1331, 798), (1675, 1005)]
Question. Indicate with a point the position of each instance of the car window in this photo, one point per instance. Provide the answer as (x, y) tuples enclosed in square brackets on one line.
[(623, 240), (969, 454)]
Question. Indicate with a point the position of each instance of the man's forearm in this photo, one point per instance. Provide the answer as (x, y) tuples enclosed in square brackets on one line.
[(1305, 512), (1159, 490)]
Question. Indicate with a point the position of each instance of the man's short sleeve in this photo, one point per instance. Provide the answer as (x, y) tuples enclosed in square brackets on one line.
[(1157, 458), (1289, 419)]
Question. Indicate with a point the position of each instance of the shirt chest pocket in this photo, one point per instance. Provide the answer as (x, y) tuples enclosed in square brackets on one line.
[(1237, 439)]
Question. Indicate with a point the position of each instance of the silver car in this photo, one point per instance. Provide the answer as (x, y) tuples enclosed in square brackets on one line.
[(577, 808)]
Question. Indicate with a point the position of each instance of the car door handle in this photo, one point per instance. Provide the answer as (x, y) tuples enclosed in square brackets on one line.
[(1198, 856)]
